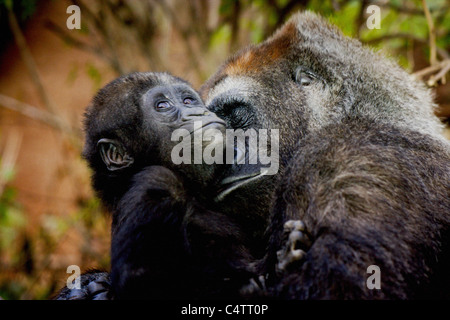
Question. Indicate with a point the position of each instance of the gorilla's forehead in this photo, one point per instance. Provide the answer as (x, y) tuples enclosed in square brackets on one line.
[(257, 58), (306, 39), (170, 89), (303, 32)]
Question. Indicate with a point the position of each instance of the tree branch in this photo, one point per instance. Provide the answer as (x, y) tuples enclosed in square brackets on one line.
[(29, 61), (37, 114), (440, 75), (441, 52), (397, 8), (184, 32), (431, 32), (443, 67), (69, 39)]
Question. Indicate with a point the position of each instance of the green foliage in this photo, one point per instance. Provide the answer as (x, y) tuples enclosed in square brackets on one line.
[(226, 7), (324, 7), (26, 7), (12, 228), (220, 35), (256, 32), (24, 274), (346, 17), (95, 75), (73, 74), (7, 3), (12, 219)]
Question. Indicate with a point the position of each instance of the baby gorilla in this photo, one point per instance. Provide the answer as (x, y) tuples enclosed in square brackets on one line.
[(165, 244), (169, 104)]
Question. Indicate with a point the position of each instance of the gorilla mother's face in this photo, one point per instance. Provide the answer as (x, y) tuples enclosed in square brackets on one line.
[(307, 76)]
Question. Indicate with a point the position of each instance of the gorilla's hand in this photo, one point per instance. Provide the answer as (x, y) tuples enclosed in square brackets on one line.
[(296, 243), (94, 286)]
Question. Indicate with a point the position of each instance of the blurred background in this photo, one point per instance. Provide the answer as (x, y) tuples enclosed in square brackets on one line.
[(49, 216)]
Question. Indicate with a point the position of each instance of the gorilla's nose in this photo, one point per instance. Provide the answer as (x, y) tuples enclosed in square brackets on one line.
[(227, 101)]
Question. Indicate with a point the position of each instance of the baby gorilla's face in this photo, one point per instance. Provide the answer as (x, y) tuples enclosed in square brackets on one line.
[(170, 107), (171, 113), (189, 138)]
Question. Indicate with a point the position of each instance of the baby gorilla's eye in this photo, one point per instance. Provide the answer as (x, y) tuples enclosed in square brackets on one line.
[(162, 105), (188, 100)]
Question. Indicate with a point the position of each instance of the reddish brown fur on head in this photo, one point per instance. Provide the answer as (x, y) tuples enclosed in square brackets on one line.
[(256, 58)]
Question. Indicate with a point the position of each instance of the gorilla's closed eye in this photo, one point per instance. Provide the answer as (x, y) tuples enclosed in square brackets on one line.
[(304, 77), (114, 155)]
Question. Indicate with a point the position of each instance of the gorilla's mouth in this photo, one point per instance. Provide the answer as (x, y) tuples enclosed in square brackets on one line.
[(214, 124), (229, 184)]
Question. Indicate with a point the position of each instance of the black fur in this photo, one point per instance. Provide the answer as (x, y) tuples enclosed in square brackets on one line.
[(370, 194), (164, 243)]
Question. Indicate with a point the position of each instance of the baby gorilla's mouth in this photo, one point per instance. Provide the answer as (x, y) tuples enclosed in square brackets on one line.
[(214, 124)]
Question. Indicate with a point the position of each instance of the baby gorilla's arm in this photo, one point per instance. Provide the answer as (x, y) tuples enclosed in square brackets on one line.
[(164, 245)]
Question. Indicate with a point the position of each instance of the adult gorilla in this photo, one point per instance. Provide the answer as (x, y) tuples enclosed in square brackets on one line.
[(364, 165)]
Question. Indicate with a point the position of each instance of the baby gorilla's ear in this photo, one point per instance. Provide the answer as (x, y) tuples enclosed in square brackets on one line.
[(114, 155)]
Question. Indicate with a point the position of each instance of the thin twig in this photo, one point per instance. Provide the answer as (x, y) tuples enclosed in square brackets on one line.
[(29, 61), (185, 35), (443, 67), (100, 24), (428, 70), (441, 52), (401, 9), (359, 21), (440, 75), (431, 32), (69, 39), (36, 114)]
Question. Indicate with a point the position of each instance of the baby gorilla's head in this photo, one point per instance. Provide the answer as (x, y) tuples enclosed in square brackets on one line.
[(145, 119), (185, 129)]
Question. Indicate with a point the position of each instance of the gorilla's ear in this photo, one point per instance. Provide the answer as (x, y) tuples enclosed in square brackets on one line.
[(114, 155)]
